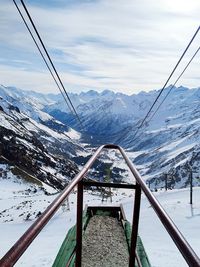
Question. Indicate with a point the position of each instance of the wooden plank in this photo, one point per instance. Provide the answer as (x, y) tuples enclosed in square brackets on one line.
[(67, 249), (139, 247)]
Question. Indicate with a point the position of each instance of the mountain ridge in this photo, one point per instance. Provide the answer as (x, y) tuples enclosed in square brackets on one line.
[(36, 149), (164, 145)]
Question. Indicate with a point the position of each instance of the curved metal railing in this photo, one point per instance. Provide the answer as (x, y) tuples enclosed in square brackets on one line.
[(22, 244)]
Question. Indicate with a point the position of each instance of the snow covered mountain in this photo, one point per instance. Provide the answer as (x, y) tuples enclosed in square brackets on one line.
[(31, 104), (34, 151), (167, 144), (104, 113), (36, 145)]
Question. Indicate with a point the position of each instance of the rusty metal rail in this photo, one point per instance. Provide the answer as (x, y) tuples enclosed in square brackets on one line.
[(11, 257)]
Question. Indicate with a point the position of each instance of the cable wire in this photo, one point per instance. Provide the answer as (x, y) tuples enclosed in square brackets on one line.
[(172, 86), (161, 91), (29, 30), (48, 56)]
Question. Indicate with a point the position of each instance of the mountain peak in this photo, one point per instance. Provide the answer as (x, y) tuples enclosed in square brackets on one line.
[(107, 93), (89, 93)]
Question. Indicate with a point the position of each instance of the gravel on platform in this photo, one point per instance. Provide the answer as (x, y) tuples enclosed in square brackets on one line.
[(104, 243)]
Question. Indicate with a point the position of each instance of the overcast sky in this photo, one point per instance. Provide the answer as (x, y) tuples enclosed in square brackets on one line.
[(123, 45)]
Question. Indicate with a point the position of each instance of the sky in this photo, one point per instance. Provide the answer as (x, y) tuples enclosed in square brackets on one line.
[(122, 45)]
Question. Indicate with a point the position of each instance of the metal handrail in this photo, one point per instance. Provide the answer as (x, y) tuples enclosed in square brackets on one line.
[(186, 250), (11, 257)]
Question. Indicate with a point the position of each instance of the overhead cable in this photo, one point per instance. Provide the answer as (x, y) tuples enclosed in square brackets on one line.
[(172, 86), (49, 58), (161, 91), (28, 28), (38, 35)]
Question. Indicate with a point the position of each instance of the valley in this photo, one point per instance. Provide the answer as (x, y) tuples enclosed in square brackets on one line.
[(166, 145), (42, 149)]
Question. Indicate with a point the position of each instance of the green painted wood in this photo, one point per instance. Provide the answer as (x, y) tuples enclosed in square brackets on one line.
[(139, 247), (103, 213), (68, 246), (72, 263)]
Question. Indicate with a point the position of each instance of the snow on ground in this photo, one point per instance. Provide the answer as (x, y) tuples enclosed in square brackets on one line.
[(180, 150), (73, 134), (160, 248), (44, 116), (26, 144), (47, 130), (173, 144), (52, 236), (5, 122)]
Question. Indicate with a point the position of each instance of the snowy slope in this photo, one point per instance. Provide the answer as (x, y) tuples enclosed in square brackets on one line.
[(27, 145), (32, 104), (160, 248), (19, 196), (29, 103), (21, 202), (170, 141), (166, 144), (32, 118)]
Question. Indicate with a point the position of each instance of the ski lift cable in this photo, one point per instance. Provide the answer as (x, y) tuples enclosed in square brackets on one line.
[(48, 56), (172, 86), (146, 116), (47, 65)]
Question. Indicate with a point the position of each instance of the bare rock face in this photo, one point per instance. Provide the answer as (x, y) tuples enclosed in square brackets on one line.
[(104, 243)]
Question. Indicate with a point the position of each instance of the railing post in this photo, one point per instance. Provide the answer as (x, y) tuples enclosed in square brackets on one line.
[(79, 223), (134, 234)]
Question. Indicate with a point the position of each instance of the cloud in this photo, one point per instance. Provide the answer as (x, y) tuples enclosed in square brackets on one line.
[(123, 45)]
